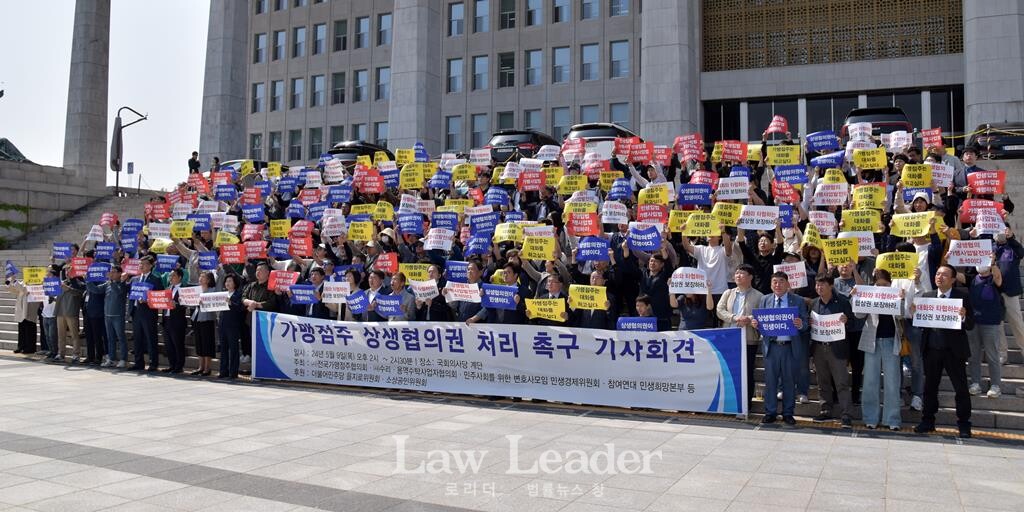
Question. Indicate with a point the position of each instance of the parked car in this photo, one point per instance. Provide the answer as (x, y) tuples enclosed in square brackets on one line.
[(508, 145), (600, 137), (882, 119), (257, 165), (993, 143), (350, 150)]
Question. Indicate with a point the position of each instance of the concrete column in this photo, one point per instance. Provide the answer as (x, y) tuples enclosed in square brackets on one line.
[(993, 61), (801, 119), (85, 131), (223, 132), (670, 95), (926, 111), (415, 108), (744, 128)]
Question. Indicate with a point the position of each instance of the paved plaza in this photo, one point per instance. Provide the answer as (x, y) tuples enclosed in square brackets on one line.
[(80, 439)]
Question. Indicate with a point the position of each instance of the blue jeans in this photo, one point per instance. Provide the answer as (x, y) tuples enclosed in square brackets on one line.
[(881, 368), (49, 337), (779, 363), (984, 340), (115, 334), (916, 358)]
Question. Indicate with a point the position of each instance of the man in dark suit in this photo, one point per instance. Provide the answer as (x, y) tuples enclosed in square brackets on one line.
[(144, 322), (317, 309), (376, 280), (599, 318), (830, 357), (947, 349), (510, 276), (555, 292), (174, 326), (779, 357)]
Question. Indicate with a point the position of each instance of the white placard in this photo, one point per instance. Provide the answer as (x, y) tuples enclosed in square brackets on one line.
[(96, 233), (424, 290), (548, 152), (796, 272), (942, 174), (189, 295), (541, 231), (969, 253), (181, 210), (335, 292), (831, 194), (511, 171), (824, 221), (214, 301), (35, 293), (464, 292), (733, 188), (207, 207), (334, 171), (859, 131), (937, 313), (614, 212), (880, 300), (426, 206), (865, 241), (158, 230), (688, 280), (754, 217), (230, 224), (530, 164), (988, 222), (477, 210), (438, 238), (827, 328), (480, 157)]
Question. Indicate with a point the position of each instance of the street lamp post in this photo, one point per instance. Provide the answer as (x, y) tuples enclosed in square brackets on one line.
[(117, 146)]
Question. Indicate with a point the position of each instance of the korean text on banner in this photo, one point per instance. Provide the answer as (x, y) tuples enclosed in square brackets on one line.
[(880, 300), (587, 297), (776, 321), (969, 253), (547, 309), (688, 280), (900, 265), (796, 273), (909, 225), (937, 313), (758, 217), (827, 328)]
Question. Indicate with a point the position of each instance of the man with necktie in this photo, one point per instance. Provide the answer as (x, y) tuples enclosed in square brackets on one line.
[(947, 349), (144, 320), (779, 356), (174, 326)]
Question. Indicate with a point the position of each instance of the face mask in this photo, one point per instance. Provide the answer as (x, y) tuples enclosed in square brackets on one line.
[(385, 239), (1000, 238), (982, 270)]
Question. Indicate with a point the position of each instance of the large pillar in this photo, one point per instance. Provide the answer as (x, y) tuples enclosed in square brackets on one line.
[(670, 57), (993, 61), (85, 131), (415, 108), (223, 131)]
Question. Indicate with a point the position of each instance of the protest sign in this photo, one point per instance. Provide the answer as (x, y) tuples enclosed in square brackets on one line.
[(702, 224), (189, 295), (900, 265), (879, 300), (784, 155), (859, 131), (796, 273), (870, 158), (645, 239), (358, 302), (424, 290), (33, 275), (865, 241), (51, 286), (942, 174), (280, 280), (823, 220), (727, 213), (831, 194), (462, 292), (546, 309), (693, 194), (937, 313), (538, 248), (909, 225), (335, 292), (827, 328), (733, 188), (792, 174), (676, 219), (776, 321), (969, 253), (988, 222), (499, 296), (862, 220), (637, 323), (916, 176), (987, 182), (592, 248), (688, 280), (869, 196), (588, 297), (758, 217), (822, 141), (778, 125), (160, 299)]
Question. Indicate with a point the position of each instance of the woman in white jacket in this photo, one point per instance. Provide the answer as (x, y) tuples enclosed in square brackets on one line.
[(25, 314), (881, 342)]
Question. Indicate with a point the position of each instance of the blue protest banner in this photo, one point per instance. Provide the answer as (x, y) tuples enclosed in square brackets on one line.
[(264, 187), (478, 245), (480, 225), (619, 190), (445, 220), (295, 211), (130, 245), (166, 262), (694, 194), (287, 185), (792, 174), (303, 294), (201, 220), (822, 141), (316, 211), (592, 248), (10, 269), (105, 251), (362, 217), (637, 323), (776, 321), (253, 213), (514, 215), (908, 194), (324, 158), (279, 249), (499, 296), (51, 286), (61, 250), (410, 223), (131, 227), (339, 194), (829, 160), (97, 273), (457, 271), (358, 302), (421, 152), (739, 171), (391, 177), (342, 269), (208, 260), (388, 305), (496, 196), (225, 193), (786, 215), (443, 179), (647, 239)]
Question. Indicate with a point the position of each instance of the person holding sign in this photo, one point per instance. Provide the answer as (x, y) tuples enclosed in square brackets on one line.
[(831, 352), (114, 301), (781, 359), (497, 315), (694, 311), (988, 322), (714, 259), (599, 318), (554, 292), (880, 344), (144, 323), (946, 350), (735, 309), (174, 326), (436, 308), (230, 326), (25, 314), (257, 295), (204, 328)]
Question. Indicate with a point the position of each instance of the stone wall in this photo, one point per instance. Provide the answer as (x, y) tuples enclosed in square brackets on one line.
[(47, 193)]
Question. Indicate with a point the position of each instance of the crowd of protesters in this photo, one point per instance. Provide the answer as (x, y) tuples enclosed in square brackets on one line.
[(879, 353)]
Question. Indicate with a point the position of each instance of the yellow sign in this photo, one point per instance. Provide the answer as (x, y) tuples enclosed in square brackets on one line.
[(784, 155), (554, 175), (385, 211), (587, 297), (607, 178), (182, 228), (754, 152), (414, 271), (273, 170), (869, 196), (464, 172), (508, 232), (899, 264), (463, 203), (862, 220), (571, 183), (405, 156), (870, 158), (833, 176), (223, 238), (496, 176), (159, 246), (716, 153), (247, 168), (361, 231), (702, 224), (33, 275), (908, 225), (812, 236), (653, 195), (840, 251), (364, 160), (279, 228), (580, 207), (362, 209), (456, 208), (411, 178), (539, 248), (380, 156), (727, 213), (917, 176), (548, 309), (676, 218)]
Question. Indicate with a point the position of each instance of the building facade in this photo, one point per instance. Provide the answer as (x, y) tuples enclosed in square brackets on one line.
[(450, 72)]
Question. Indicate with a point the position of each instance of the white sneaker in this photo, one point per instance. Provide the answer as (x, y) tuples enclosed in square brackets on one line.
[(994, 392), (975, 389), (802, 399), (122, 363), (916, 403)]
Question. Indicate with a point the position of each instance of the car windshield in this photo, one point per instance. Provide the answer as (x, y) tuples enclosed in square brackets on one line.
[(512, 138), (346, 154), (877, 118), (593, 133)]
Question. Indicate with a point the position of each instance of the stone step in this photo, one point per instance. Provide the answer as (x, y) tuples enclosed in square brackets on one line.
[(1008, 402), (945, 417)]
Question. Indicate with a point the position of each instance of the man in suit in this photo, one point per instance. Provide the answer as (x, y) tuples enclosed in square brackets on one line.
[(735, 309), (174, 326), (317, 309), (555, 292), (464, 310), (830, 357), (779, 356), (510, 277), (376, 280), (599, 318), (947, 349), (144, 320)]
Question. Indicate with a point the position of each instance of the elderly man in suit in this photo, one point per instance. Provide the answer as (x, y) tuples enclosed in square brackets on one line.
[(779, 356), (735, 309), (947, 349), (144, 320)]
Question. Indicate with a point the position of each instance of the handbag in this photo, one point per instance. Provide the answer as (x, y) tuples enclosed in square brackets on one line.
[(904, 346)]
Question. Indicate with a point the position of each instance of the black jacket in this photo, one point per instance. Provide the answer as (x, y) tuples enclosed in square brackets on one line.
[(952, 340)]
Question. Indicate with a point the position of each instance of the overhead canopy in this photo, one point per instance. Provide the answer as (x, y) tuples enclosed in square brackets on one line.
[(11, 153)]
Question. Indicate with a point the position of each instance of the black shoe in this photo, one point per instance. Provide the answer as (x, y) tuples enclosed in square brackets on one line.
[(153, 368), (789, 420), (177, 371), (196, 373), (822, 418), (922, 428), (965, 433), (768, 419), (136, 368), (17, 351), (166, 370), (846, 423)]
